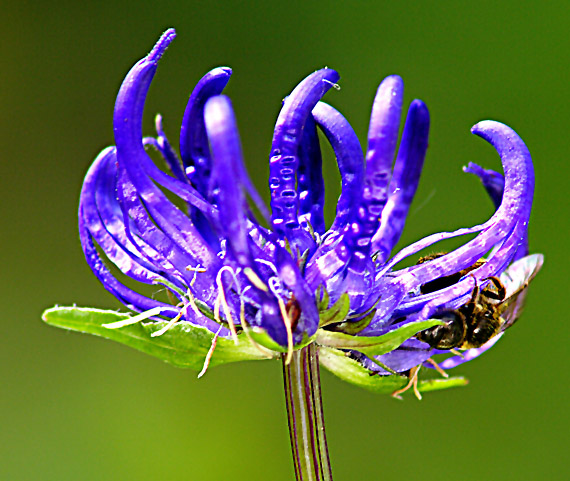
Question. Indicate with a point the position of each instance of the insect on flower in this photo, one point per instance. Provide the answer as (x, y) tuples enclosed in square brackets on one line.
[(490, 310), (246, 291)]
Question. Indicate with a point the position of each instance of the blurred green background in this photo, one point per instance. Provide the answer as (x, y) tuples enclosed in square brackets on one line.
[(74, 407)]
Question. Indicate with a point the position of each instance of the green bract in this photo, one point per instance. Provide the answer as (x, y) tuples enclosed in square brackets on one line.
[(183, 345), (187, 346)]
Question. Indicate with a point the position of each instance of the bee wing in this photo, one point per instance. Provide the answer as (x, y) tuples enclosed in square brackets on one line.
[(516, 279)]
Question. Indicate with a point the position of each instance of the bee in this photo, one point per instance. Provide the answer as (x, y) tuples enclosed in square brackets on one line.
[(490, 310)]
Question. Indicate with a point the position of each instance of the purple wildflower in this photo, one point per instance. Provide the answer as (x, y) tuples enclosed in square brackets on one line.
[(297, 282)]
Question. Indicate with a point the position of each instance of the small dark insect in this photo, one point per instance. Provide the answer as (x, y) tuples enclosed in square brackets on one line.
[(490, 311)]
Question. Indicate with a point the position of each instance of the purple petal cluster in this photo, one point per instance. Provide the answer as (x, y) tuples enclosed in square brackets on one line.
[(231, 273)]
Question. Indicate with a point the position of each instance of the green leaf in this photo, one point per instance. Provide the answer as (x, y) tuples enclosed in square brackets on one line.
[(374, 345), (337, 312), (427, 385), (353, 372), (183, 345)]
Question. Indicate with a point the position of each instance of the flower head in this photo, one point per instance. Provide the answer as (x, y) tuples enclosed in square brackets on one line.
[(296, 281)]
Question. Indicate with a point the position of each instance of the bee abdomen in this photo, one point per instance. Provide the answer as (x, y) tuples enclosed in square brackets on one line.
[(480, 332), (447, 336)]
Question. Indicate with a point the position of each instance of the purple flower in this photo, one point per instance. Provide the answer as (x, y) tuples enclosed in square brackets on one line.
[(298, 282)]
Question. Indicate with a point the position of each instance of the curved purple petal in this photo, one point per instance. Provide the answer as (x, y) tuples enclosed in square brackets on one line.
[(494, 184), (223, 136), (103, 219), (506, 226), (310, 182), (519, 183), (405, 179), (194, 148), (284, 159), (350, 160), (131, 156), (382, 140), (89, 220), (153, 244)]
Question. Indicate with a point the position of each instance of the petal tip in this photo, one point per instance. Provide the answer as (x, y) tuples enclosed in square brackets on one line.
[(419, 105), (485, 126), (501, 136), (392, 82), (160, 47), (419, 110), (221, 72), (329, 74), (388, 99), (393, 78)]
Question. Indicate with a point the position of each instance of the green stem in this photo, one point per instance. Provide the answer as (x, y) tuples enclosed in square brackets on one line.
[(305, 412)]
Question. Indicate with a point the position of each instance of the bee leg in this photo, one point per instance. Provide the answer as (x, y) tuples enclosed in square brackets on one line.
[(413, 382), (501, 290), (437, 367), (470, 307), (457, 353)]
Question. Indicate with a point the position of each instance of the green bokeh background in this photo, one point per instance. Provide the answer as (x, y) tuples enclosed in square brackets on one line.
[(74, 407)]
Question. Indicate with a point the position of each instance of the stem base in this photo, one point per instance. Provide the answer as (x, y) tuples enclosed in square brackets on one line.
[(305, 413)]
